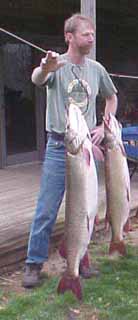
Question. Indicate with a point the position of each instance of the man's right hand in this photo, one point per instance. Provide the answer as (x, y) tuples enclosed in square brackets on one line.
[(51, 62)]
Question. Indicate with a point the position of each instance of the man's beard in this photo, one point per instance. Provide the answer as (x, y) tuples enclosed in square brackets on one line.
[(85, 50)]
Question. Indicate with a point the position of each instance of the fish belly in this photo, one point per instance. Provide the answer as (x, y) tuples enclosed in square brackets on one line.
[(118, 191), (80, 210)]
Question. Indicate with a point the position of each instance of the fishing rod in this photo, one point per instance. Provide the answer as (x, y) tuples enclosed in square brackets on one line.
[(44, 51), (13, 35), (23, 40)]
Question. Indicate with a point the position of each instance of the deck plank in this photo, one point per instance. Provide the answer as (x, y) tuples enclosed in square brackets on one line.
[(19, 189)]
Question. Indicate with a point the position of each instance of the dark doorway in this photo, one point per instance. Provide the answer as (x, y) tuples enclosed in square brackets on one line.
[(19, 102), (20, 115)]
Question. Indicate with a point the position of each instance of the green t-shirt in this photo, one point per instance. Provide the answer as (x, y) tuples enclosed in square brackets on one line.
[(79, 84)]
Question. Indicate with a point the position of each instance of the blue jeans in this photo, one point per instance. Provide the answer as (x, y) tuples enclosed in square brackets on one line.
[(52, 189)]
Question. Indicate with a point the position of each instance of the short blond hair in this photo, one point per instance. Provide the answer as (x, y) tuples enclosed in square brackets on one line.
[(72, 23)]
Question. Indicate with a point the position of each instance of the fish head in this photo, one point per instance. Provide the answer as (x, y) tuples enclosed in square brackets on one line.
[(76, 129), (112, 129)]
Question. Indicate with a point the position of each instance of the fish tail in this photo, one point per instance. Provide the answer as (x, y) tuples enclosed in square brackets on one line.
[(117, 247), (62, 249), (68, 283), (107, 222)]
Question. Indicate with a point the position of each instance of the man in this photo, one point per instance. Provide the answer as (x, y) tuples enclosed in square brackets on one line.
[(70, 77)]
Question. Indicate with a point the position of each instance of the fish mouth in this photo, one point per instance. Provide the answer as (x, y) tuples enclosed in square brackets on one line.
[(112, 129), (108, 124), (109, 135), (73, 144), (111, 119)]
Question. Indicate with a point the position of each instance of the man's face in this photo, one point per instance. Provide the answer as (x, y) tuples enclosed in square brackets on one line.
[(83, 38)]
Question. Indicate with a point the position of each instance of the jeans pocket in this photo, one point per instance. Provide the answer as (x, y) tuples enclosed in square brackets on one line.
[(52, 143)]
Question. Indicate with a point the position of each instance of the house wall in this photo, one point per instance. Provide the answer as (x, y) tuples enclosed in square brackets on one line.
[(41, 22)]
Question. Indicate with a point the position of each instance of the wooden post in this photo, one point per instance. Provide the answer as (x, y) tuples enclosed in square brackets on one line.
[(2, 113), (88, 8)]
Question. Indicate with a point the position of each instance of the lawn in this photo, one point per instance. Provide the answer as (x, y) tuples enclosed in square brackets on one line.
[(112, 296)]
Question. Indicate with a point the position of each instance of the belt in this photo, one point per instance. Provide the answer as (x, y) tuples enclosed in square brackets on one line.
[(56, 136)]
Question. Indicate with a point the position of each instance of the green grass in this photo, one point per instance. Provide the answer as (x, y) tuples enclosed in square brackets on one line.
[(112, 296)]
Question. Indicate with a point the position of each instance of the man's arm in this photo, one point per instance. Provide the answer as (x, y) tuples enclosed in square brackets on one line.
[(110, 107), (48, 64)]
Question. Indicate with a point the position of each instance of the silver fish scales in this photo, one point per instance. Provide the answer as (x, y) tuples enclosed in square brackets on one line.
[(117, 184), (81, 198)]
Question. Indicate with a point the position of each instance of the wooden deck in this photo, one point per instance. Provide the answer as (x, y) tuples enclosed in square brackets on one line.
[(19, 187)]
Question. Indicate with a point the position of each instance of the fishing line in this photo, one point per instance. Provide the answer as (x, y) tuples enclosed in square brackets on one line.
[(23, 40), (45, 51), (116, 75)]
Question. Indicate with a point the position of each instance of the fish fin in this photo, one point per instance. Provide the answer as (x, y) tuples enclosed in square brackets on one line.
[(62, 249), (117, 247), (87, 155), (96, 220), (107, 221), (85, 269), (128, 194), (98, 153), (128, 226), (85, 262), (68, 283), (123, 149), (88, 223), (136, 215)]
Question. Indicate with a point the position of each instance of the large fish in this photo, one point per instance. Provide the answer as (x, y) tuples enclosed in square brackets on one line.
[(117, 182), (81, 197)]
